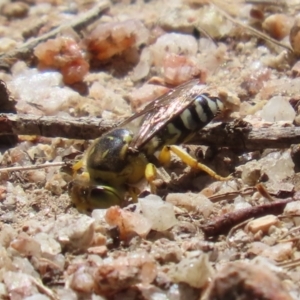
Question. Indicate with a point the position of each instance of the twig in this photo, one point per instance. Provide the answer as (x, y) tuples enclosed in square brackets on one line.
[(236, 227), (232, 135), (44, 289), (24, 52), (281, 3), (289, 264), (236, 137), (33, 167), (263, 191), (253, 30), (289, 233), (224, 223), (83, 128)]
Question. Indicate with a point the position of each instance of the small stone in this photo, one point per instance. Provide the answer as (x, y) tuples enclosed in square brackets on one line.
[(99, 250), (278, 165), (278, 109), (49, 246), (7, 44), (3, 291), (247, 279), (82, 280), (191, 202), (296, 69), (15, 10), (176, 43), (26, 245), (129, 223), (120, 273), (194, 271), (295, 36), (278, 25), (19, 285), (263, 224), (279, 252), (293, 208), (72, 232), (251, 173), (158, 212)]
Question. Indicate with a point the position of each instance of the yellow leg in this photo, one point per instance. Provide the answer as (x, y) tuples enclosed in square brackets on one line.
[(165, 158), (77, 166), (150, 175)]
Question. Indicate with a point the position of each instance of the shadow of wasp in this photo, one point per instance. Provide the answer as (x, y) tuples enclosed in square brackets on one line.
[(119, 158)]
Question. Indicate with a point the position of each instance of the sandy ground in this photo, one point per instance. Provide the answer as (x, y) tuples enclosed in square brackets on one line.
[(207, 239)]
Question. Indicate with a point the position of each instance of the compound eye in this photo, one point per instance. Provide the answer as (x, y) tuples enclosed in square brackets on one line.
[(105, 196)]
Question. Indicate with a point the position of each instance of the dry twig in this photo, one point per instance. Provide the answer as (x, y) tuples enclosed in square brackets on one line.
[(83, 128), (33, 167), (224, 223), (233, 135), (253, 30), (24, 52)]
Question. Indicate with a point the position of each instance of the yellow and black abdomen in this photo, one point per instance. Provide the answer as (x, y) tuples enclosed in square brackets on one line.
[(180, 129)]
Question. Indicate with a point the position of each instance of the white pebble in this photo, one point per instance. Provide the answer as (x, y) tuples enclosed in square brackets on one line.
[(176, 43), (278, 166), (278, 109), (293, 208), (193, 271), (158, 212)]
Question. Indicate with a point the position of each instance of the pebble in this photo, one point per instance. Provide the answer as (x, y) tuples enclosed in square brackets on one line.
[(158, 212), (278, 109), (7, 44), (295, 36), (293, 208), (279, 252), (72, 232), (15, 9), (192, 202), (263, 223), (278, 25), (194, 271), (129, 223), (247, 279)]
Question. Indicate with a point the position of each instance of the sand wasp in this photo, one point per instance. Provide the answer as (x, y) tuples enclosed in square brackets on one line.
[(119, 158)]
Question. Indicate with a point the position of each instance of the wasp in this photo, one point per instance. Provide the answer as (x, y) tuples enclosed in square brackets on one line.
[(119, 159)]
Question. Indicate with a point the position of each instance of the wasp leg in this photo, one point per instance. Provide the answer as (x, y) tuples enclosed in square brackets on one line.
[(150, 175), (77, 166), (165, 157), (133, 192)]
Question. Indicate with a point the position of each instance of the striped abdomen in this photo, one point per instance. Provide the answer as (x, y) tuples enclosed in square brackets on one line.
[(182, 127)]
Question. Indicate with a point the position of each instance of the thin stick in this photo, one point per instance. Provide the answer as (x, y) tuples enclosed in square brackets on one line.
[(83, 128), (229, 135), (44, 289), (24, 52), (281, 3), (287, 263), (223, 223), (253, 30), (34, 167), (236, 227)]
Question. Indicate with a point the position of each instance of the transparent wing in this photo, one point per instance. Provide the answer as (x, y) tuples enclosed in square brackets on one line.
[(162, 110)]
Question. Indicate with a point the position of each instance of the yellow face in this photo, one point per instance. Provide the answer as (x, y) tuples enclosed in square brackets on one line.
[(87, 196), (108, 167)]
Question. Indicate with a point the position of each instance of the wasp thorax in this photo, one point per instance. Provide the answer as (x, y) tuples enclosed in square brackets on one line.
[(109, 152)]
